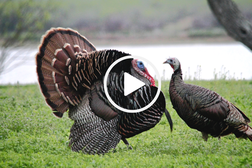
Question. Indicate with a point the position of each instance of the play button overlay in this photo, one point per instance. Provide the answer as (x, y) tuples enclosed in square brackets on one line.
[(131, 84)]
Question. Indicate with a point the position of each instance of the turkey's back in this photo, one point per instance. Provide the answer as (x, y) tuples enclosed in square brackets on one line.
[(185, 97)]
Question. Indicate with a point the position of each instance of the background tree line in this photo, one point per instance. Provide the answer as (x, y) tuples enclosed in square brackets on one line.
[(27, 20), (97, 17)]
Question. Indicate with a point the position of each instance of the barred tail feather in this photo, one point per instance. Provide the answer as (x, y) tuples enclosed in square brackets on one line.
[(244, 131), (55, 61), (249, 134), (90, 133)]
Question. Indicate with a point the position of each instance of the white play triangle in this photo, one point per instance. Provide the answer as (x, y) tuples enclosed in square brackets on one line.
[(131, 83)]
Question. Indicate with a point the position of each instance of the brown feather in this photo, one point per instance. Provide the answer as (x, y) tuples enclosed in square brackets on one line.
[(54, 54), (61, 55), (59, 101), (53, 94), (101, 109), (77, 48), (50, 87), (68, 38), (205, 110), (58, 39), (69, 49), (63, 107), (59, 78), (47, 66), (60, 67), (47, 57), (48, 81)]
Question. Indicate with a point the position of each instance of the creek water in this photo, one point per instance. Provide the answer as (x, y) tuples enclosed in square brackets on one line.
[(198, 61)]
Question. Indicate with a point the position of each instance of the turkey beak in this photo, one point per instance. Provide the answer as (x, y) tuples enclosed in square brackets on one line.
[(167, 62)]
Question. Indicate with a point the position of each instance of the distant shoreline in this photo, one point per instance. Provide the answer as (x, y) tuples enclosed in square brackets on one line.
[(113, 40), (130, 41)]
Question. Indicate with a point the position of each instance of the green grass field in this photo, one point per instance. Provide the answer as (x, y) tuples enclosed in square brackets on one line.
[(30, 136)]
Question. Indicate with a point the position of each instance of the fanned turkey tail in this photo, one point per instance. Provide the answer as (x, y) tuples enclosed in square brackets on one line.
[(67, 66), (56, 67)]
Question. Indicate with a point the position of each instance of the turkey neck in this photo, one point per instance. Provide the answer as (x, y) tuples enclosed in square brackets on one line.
[(177, 93), (176, 81)]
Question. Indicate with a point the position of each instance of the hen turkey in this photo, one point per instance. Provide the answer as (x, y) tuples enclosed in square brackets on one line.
[(70, 73), (205, 110)]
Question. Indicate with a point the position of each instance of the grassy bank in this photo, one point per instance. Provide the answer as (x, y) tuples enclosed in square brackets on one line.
[(30, 136)]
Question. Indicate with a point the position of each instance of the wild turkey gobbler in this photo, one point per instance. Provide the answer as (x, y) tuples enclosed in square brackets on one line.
[(205, 110), (70, 73)]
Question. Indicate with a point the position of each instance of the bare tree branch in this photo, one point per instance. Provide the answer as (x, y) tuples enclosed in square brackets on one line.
[(236, 25), (20, 22)]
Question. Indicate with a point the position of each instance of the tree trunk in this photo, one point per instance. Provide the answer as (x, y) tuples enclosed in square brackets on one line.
[(231, 18)]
